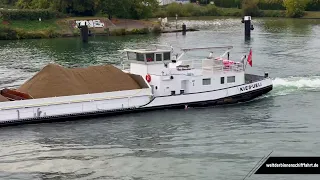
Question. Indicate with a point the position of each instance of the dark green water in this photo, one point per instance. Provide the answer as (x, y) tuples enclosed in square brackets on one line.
[(208, 143)]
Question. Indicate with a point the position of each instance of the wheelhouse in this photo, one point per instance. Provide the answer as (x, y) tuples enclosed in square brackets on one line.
[(145, 56)]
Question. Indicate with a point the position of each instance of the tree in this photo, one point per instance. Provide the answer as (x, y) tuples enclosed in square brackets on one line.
[(250, 8), (143, 8), (271, 4), (135, 9), (313, 5), (295, 8)]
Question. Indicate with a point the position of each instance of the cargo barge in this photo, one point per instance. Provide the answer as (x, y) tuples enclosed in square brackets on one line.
[(152, 78)]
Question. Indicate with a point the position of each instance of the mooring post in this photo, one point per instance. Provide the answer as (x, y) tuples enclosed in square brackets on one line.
[(184, 29), (84, 30), (176, 21), (248, 27), (85, 33)]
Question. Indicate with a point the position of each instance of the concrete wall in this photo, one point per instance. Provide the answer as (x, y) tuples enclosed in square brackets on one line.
[(165, 2)]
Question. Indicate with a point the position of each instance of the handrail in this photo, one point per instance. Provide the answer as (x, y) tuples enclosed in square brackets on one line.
[(194, 63), (202, 48)]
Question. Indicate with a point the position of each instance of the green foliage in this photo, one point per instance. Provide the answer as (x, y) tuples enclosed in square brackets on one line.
[(138, 31), (313, 5), (29, 14), (7, 3), (121, 32), (187, 10), (230, 12), (118, 32), (272, 13), (33, 25), (156, 30), (250, 8), (8, 33), (136, 9), (76, 32), (141, 9), (295, 8), (227, 3), (271, 5)]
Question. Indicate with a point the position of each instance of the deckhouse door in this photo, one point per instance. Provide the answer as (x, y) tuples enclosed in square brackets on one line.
[(184, 86)]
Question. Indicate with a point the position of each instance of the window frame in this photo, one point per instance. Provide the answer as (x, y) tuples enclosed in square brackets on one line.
[(222, 80), (206, 80), (141, 55), (161, 54), (164, 56), (233, 79), (153, 57)]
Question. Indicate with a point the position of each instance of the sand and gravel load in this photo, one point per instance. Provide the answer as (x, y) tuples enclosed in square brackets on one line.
[(3, 99), (55, 80)]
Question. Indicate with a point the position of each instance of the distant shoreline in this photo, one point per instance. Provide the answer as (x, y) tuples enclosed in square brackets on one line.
[(63, 27)]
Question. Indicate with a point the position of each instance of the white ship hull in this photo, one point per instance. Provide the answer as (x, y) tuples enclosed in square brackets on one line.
[(211, 96)]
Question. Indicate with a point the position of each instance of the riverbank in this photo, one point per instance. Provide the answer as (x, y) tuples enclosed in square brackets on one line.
[(311, 15), (67, 27)]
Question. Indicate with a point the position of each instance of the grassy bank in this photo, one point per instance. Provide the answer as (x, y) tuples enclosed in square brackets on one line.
[(27, 29), (312, 15)]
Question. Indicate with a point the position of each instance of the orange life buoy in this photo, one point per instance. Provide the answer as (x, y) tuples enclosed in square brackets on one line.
[(148, 77)]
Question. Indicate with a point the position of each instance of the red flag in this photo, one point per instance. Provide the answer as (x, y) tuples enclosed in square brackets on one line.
[(250, 58)]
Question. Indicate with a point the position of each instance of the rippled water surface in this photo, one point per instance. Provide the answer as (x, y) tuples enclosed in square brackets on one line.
[(208, 143)]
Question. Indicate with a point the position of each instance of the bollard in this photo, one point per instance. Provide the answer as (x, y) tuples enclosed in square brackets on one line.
[(84, 33), (184, 29), (248, 27)]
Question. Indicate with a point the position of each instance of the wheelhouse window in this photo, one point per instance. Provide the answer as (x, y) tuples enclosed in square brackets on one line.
[(158, 57), (206, 81), (222, 80), (140, 57), (132, 56), (231, 79), (150, 57), (166, 56)]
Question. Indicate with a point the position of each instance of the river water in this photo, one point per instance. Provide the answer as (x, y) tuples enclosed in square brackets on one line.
[(222, 142)]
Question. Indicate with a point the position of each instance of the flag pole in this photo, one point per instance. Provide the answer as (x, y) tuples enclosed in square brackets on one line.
[(247, 59), (243, 59), (245, 67)]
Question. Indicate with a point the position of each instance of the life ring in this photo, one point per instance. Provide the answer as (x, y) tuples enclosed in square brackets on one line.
[(148, 78)]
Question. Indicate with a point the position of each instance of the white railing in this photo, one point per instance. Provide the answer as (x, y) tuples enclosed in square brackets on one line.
[(192, 64), (125, 66), (210, 65), (204, 64)]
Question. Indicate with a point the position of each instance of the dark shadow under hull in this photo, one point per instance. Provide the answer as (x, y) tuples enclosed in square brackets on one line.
[(244, 97)]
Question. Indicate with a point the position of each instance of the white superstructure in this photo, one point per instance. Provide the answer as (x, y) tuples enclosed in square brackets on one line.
[(166, 81), (187, 81)]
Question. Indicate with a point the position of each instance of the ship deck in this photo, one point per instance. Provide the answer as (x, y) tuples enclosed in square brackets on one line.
[(250, 78)]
